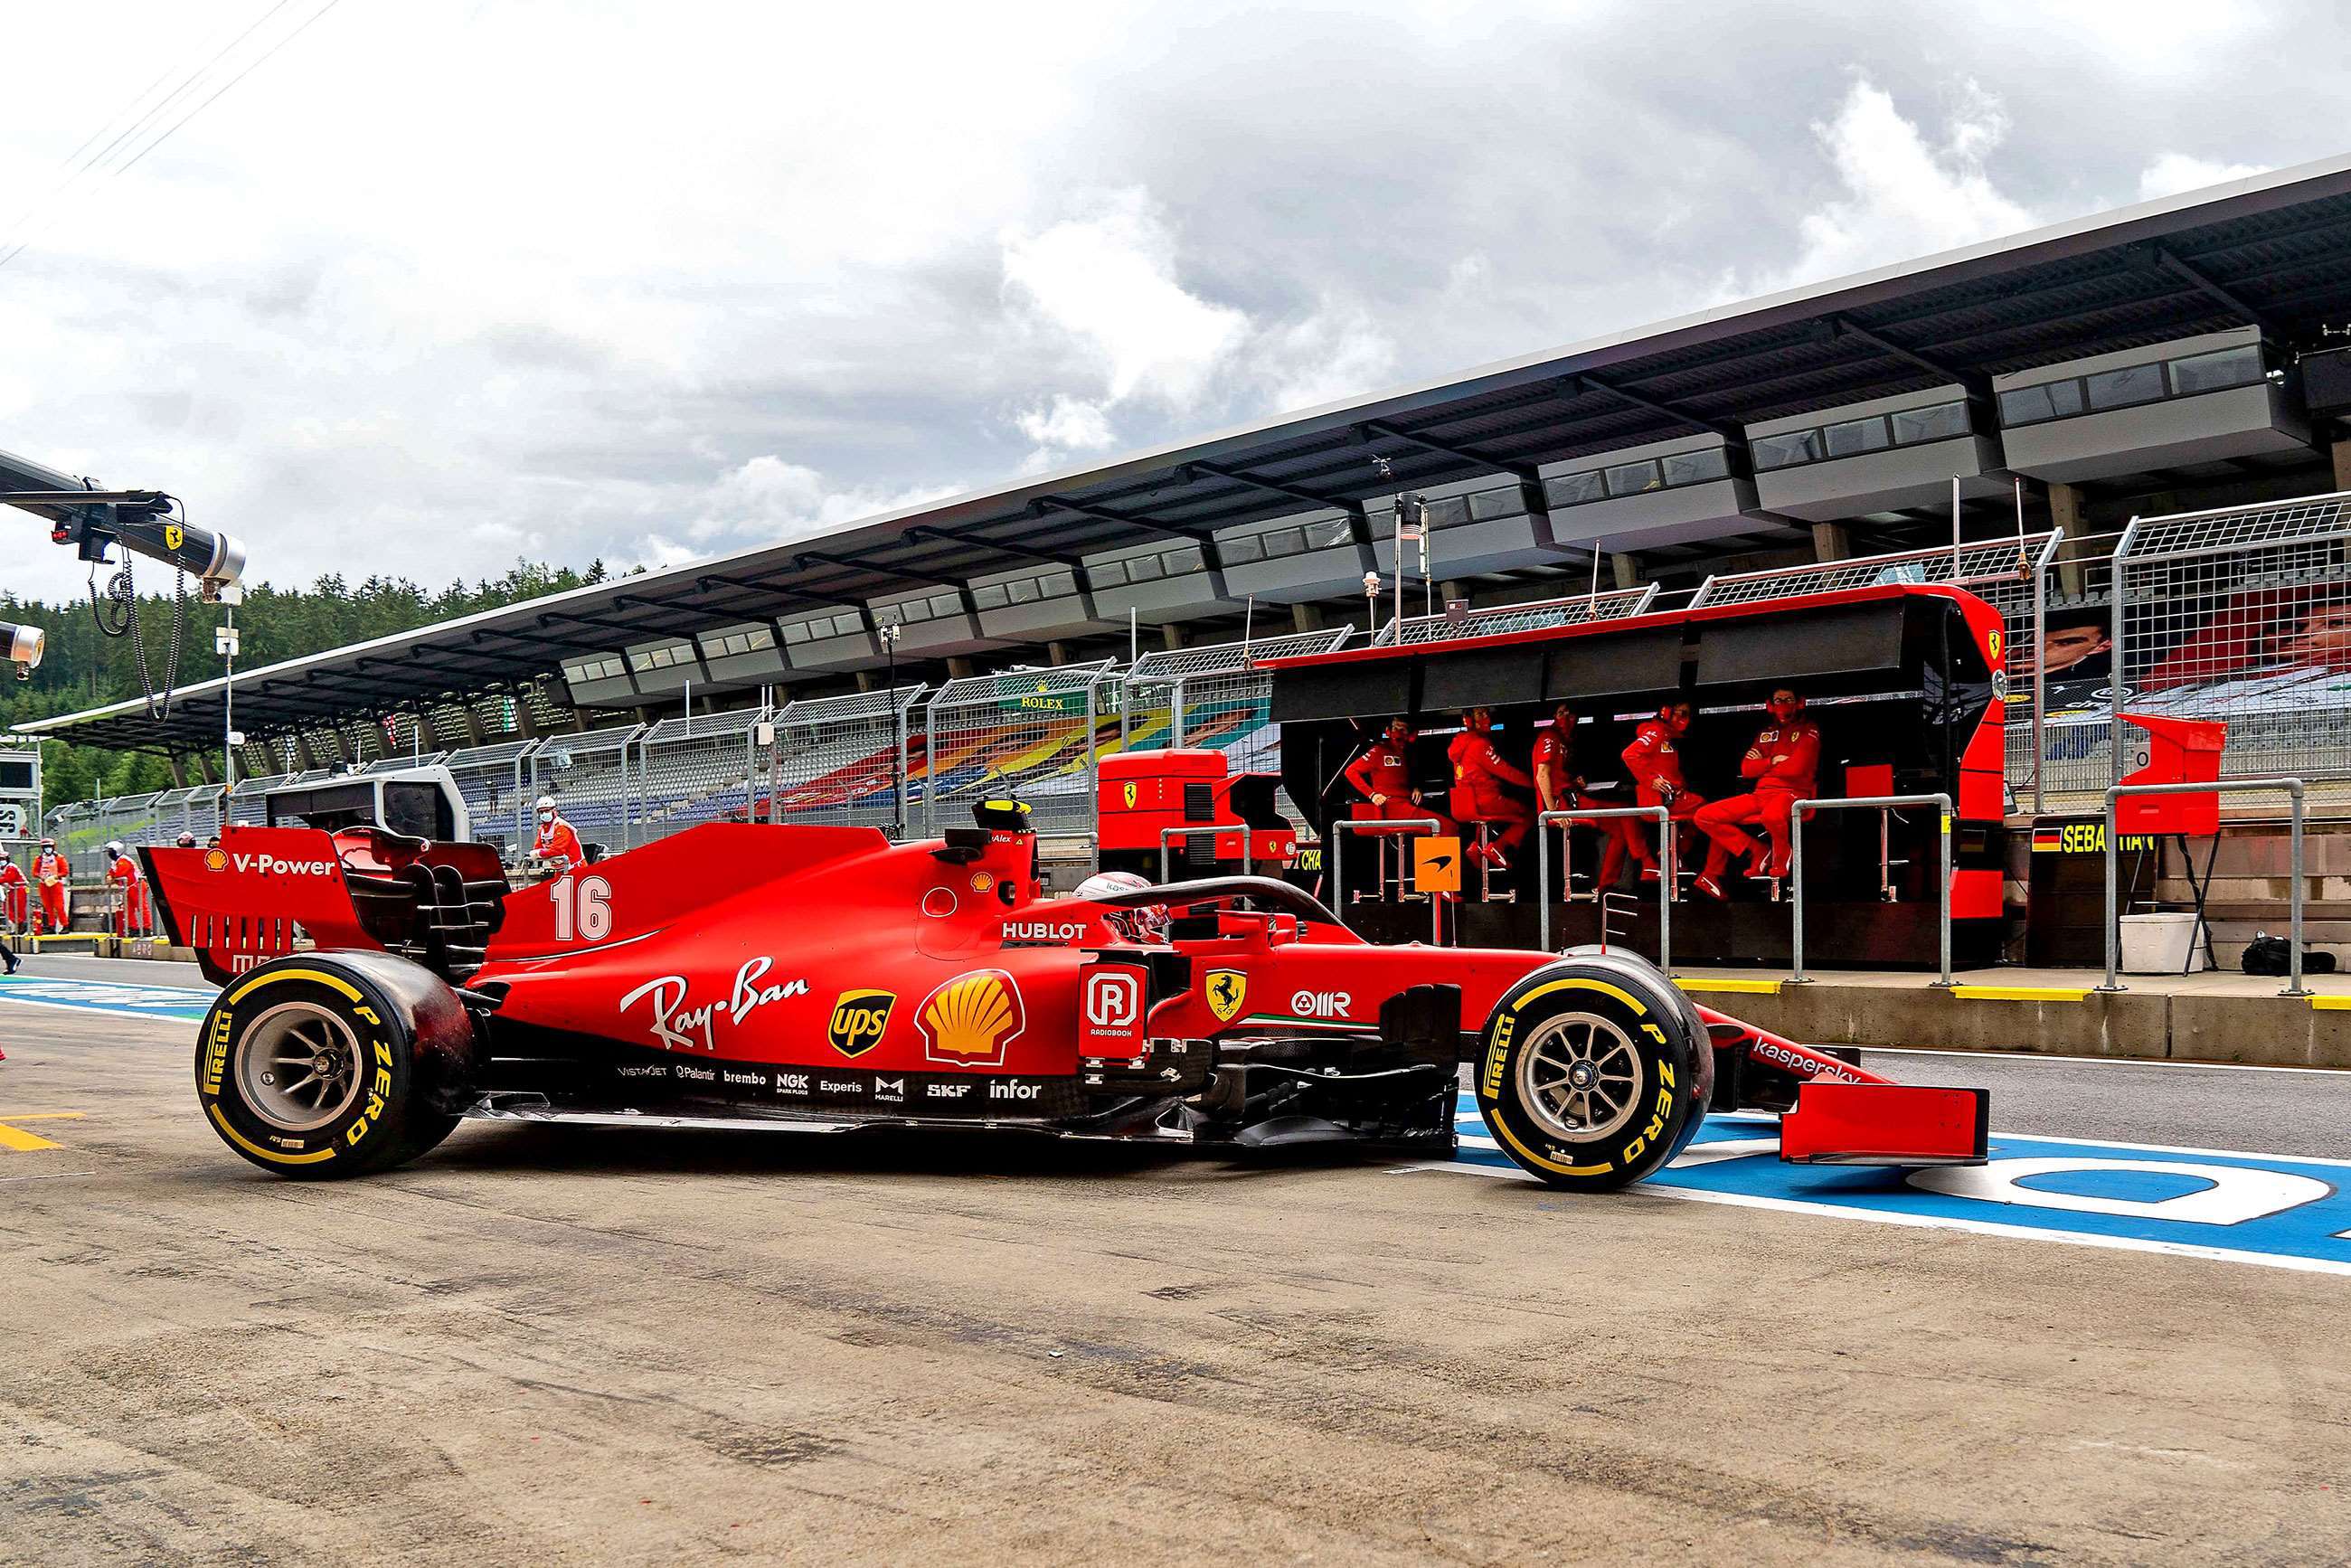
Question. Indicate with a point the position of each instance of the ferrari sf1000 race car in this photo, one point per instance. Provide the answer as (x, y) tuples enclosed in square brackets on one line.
[(822, 979)]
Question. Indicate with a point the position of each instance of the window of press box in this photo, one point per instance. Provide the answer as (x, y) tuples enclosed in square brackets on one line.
[(1850, 438), (1786, 449), (1243, 547), (992, 595), (1940, 423), (1634, 479), (1575, 489), (2051, 400), (2237, 367), (2124, 388), (1695, 467)]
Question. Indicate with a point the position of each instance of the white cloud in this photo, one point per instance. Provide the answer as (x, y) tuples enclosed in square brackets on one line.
[(767, 499), (1067, 424), (1904, 197), (2177, 171), (1108, 279)]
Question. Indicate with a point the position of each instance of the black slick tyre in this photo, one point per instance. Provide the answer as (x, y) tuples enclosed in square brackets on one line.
[(321, 1066), (1593, 1073)]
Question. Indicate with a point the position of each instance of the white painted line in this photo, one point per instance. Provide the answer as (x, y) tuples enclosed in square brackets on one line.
[(2163, 1064), (102, 1011), (1939, 1222)]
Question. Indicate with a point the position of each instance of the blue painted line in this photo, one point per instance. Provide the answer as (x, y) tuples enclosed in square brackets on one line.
[(2242, 1208), (106, 996)]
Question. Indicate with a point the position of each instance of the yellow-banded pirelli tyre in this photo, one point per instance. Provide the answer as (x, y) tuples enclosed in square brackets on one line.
[(1594, 1071), (335, 1064)]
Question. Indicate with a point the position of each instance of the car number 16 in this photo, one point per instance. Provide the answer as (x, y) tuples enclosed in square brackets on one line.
[(585, 911)]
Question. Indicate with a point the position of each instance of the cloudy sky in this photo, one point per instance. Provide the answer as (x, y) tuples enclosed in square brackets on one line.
[(441, 283)]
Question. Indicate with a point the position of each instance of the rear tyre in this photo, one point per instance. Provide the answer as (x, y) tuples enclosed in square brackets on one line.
[(1595, 1073), (321, 1066)]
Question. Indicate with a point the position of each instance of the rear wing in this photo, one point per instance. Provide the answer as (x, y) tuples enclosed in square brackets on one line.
[(251, 897)]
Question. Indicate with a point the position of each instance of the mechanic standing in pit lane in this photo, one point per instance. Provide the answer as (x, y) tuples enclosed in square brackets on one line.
[(14, 890), (131, 917), (50, 874), (557, 847)]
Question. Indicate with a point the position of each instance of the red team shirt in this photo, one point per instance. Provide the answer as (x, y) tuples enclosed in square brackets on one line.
[(557, 842), (1382, 770), (1785, 758), (1480, 771), (1652, 759)]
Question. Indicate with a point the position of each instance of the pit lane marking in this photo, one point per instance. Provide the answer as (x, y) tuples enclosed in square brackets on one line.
[(17, 1139), (109, 997), (2228, 1206)]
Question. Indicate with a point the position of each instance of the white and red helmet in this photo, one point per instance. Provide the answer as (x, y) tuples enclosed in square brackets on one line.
[(1136, 922)]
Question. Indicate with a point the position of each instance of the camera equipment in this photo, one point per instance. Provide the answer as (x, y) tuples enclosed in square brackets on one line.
[(21, 647)]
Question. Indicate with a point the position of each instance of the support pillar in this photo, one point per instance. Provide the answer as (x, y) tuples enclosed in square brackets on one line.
[(179, 773), (2339, 450), (1625, 568), (1831, 542), (206, 771), (1306, 618), (1056, 652), (867, 681), (958, 668), (2066, 512), (1171, 636), (305, 758)]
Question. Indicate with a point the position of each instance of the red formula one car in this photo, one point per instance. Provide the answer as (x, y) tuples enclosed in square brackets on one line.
[(822, 979)]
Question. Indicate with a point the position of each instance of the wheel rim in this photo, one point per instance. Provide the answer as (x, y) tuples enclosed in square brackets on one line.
[(1578, 1076), (299, 1066)]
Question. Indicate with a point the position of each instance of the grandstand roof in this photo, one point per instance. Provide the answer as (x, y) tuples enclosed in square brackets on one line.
[(2272, 250)]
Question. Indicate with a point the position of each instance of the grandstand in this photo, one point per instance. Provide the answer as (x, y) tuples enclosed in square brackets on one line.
[(1997, 416)]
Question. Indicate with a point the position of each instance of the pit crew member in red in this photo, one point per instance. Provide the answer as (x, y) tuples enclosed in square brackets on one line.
[(1784, 764), (1558, 786), (1657, 770), (557, 847), (50, 874), (1480, 775), (132, 915), (13, 893), (1382, 775)]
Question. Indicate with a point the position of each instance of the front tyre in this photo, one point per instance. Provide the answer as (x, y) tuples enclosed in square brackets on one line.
[(1595, 1073), (327, 1065)]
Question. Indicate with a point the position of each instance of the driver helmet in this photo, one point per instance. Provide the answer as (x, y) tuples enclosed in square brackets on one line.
[(184, 841), (1136, 922)]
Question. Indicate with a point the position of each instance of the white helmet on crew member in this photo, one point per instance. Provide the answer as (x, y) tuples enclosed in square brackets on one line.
[(114, 848)]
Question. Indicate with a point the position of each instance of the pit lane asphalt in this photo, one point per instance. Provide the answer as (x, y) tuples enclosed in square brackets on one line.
[(557, 1345)]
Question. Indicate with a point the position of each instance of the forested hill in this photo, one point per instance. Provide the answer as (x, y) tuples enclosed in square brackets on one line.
[(84, 669)]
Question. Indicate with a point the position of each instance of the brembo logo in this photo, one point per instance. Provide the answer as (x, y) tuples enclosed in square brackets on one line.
[(270, 865)]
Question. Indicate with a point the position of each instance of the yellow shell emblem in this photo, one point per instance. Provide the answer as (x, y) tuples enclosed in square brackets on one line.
[(970, 1018)]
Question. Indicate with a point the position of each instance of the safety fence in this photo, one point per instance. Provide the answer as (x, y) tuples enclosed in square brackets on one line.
[(2242, 614)]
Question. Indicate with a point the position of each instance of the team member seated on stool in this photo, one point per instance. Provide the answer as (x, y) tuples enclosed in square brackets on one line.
[(1382, 775), (1785, 765), (1657, 771), (1478, 775), (1558, 787)]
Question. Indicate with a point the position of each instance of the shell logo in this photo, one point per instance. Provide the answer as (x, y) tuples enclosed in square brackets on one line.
[(981, 881), (969, 1020), (216, 860)]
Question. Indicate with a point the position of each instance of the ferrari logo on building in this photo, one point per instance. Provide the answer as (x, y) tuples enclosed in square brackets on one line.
[(971, 1019), (1227, 990), (858, 1020), (1127, 794)]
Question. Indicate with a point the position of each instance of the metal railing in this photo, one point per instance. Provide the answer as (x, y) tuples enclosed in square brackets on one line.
[(2293, 791), (1668, 870), (1796, 814), (1394, 827), (1167, 835)]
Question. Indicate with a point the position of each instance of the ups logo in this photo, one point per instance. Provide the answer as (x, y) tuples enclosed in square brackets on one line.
[(858, 1020)]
